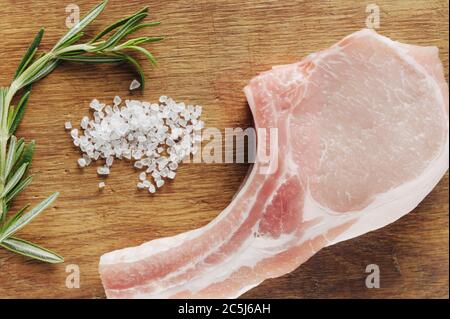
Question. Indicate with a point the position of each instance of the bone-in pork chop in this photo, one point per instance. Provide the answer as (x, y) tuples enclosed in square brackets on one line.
[(362, 139)]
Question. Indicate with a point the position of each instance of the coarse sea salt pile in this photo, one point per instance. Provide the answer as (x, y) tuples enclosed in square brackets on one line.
[(155, 136)]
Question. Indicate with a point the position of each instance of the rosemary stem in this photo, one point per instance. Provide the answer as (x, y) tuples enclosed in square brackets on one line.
[(84, 47), (2, 211), (20, 82), (3, 139)]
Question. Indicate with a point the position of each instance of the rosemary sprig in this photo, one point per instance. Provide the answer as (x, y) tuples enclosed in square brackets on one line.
[(109, 46)]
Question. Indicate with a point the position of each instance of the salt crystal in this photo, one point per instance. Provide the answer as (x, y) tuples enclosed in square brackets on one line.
[(151, 188), (151, 167), (173, 166), (108, 110), (142, 176), (171, 174), (117, 100), (103, 170), (68, 126), (87, 159), (170, 142), (101, 185), (83, 140), (156, 174), (146, 183), (109, 160), (81, 162), (137, 154), (159, 183), (95, 105), (162, 161), (127, 155), (164, 172), (74, 133), (140, 185), (134, 85), (84, 122)]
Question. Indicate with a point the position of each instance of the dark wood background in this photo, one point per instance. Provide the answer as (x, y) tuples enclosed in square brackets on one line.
[(212, 49)]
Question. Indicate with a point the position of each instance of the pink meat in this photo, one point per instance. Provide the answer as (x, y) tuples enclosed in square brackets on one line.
[(362, 139)]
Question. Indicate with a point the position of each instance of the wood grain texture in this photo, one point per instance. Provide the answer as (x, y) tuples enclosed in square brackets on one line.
[(212, 50)]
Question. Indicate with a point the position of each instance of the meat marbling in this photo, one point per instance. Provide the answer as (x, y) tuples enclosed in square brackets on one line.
[(362, 139)]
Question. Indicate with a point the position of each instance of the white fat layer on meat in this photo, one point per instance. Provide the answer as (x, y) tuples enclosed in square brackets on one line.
[(133, 254), (252, 251)]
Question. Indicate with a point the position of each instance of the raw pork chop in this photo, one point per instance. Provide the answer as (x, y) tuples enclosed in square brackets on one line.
[(362, 139)]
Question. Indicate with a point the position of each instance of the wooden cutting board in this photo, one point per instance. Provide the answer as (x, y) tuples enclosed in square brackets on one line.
[(212, 49)]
